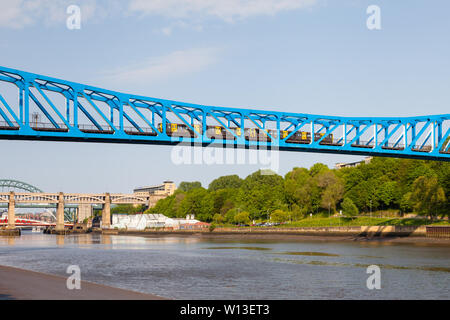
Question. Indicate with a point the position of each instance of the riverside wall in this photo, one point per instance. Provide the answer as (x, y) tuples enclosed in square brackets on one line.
[(402, 231)]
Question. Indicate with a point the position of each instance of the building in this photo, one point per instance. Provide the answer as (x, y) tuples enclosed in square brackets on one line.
[(157, 192), (194, 226), (353, 164), (155, 221), (167, 188)]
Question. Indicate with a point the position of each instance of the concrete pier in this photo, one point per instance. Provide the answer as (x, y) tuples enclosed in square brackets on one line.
[(84, 212), (106, 214), (60, 213), (11, 211)]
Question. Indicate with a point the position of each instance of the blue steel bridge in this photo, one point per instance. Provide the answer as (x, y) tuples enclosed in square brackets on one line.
[(37, 107)]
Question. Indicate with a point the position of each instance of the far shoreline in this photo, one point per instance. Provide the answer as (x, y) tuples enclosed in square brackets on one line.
[(283, 236)]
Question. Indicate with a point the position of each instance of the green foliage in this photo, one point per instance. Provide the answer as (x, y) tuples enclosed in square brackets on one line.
[(188, 186), (229, 216), (127, 209), (218, 218), (332, 189), (242, 217), (428, 196), (349, 208), (196, 202), (261, 193), (225, 182), (401, 185), (279, 216)]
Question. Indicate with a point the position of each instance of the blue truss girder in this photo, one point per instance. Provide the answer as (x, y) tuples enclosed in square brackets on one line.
[(422, 137)]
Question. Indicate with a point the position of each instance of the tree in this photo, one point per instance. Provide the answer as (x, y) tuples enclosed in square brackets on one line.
[(318, 168), (428, 196), (405, 203), (225, 182), (261, 192), (349, 208), (188, 186), (227, 205), (193, 204), (299, 189), (384, 183), (218, 218), (168, 206), (127, 209), (242, 217), (279, 216), (229, 216), (332, 187)]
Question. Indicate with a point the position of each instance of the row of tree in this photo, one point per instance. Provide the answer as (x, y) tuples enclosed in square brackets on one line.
[(383, 184)]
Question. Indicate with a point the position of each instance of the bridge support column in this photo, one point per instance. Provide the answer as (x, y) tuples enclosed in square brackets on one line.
[(84, 211), (11, 211), (106, 214), (60, 213)]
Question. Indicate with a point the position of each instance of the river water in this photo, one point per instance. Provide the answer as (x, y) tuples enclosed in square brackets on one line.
[(194, 268)]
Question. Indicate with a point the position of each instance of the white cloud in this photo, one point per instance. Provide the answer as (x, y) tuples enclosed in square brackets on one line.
[(227, 10), (11, 14), (18, 14), (155, 69)]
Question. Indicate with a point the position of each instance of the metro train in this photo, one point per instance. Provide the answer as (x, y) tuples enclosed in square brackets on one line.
[(250, 134)]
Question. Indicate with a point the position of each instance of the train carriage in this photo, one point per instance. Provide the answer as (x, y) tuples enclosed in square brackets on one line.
[(250, 134)]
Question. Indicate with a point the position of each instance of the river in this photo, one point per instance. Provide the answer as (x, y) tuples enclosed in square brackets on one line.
[(196, 268)]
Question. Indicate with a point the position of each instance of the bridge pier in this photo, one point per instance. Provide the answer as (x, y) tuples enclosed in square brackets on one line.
[(11, 211), (84, 211), (106, 213), (60, 213)]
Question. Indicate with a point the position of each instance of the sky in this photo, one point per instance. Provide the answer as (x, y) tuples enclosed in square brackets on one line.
[(305, 56)]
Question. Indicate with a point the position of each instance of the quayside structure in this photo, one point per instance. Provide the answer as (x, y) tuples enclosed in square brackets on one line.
[(37, 107)]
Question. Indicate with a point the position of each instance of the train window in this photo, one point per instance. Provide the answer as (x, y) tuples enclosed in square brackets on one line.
[(218, 130), (173, 127), (238, 131), (304, 136), (160, 127), (197, 127), (284, 134)]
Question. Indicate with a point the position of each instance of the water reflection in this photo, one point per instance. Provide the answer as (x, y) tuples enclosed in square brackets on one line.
[(11, 241), (60, 240), (196, 268)]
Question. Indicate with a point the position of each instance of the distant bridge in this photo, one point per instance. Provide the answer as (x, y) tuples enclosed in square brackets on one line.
[(21, 222), (62, 199), (15, 185), (37, 107)]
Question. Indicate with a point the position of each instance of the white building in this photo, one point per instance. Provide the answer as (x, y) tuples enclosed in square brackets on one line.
[(143, 221), (353, 164)]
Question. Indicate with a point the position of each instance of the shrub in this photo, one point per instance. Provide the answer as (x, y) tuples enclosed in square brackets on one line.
[(279, 216), (349, 208)]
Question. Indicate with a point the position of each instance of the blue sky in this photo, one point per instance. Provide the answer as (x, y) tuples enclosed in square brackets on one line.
[(309, 56)]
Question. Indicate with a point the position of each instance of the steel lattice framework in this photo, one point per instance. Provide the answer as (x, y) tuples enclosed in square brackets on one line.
[(14, 184), (36, 107)]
